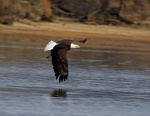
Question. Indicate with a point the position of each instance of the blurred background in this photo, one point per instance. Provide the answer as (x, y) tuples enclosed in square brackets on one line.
[(86, 11), (108, 76)]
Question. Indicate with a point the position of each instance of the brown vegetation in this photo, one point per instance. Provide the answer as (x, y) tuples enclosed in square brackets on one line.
[(115, 12), (47, 11), (86, 11)]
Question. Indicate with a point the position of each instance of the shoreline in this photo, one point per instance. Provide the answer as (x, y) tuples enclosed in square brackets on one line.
[(99, 36)]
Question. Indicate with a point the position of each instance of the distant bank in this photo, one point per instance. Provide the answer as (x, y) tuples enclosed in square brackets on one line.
[(99, 36)]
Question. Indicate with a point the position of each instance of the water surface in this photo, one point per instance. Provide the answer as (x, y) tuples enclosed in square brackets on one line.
[(101, 83)]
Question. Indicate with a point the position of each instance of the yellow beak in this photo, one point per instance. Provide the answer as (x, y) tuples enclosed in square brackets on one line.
[(77, 46)]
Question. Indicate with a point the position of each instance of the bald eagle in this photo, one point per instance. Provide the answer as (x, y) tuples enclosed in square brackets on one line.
[(59, 56)]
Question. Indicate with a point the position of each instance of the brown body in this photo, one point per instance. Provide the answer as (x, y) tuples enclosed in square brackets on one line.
[(59, 59)]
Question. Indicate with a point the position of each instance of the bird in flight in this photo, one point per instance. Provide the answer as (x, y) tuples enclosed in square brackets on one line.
[(59, 56)]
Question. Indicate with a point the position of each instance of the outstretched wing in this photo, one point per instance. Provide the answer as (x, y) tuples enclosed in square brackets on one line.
[(82, 41), (60, 63)]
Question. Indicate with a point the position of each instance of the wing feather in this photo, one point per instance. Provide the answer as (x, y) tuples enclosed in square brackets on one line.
[(60, 63)]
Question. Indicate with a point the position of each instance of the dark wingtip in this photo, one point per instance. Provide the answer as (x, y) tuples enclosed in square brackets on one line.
[(62, 78), (82, 41)]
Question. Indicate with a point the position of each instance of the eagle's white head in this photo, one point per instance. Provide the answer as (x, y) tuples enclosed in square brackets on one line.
[(74, 46)]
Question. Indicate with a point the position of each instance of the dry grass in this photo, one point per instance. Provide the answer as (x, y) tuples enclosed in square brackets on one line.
[(47, 12)]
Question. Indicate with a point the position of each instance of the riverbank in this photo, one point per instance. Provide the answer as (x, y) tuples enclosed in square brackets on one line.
[(99, 36)]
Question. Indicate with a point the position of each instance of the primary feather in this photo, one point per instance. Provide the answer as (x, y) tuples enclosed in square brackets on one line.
[(60, 61)]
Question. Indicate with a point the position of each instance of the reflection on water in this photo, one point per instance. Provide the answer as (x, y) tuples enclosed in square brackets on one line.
[(59, 93), (100, 83)]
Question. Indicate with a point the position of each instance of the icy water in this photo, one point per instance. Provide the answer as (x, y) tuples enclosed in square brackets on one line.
[(101, 83)]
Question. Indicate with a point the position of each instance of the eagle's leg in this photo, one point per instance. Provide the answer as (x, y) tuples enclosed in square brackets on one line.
[(48, 56)]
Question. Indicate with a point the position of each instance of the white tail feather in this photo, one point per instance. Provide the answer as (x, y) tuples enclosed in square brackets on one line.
[(50, 46)]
